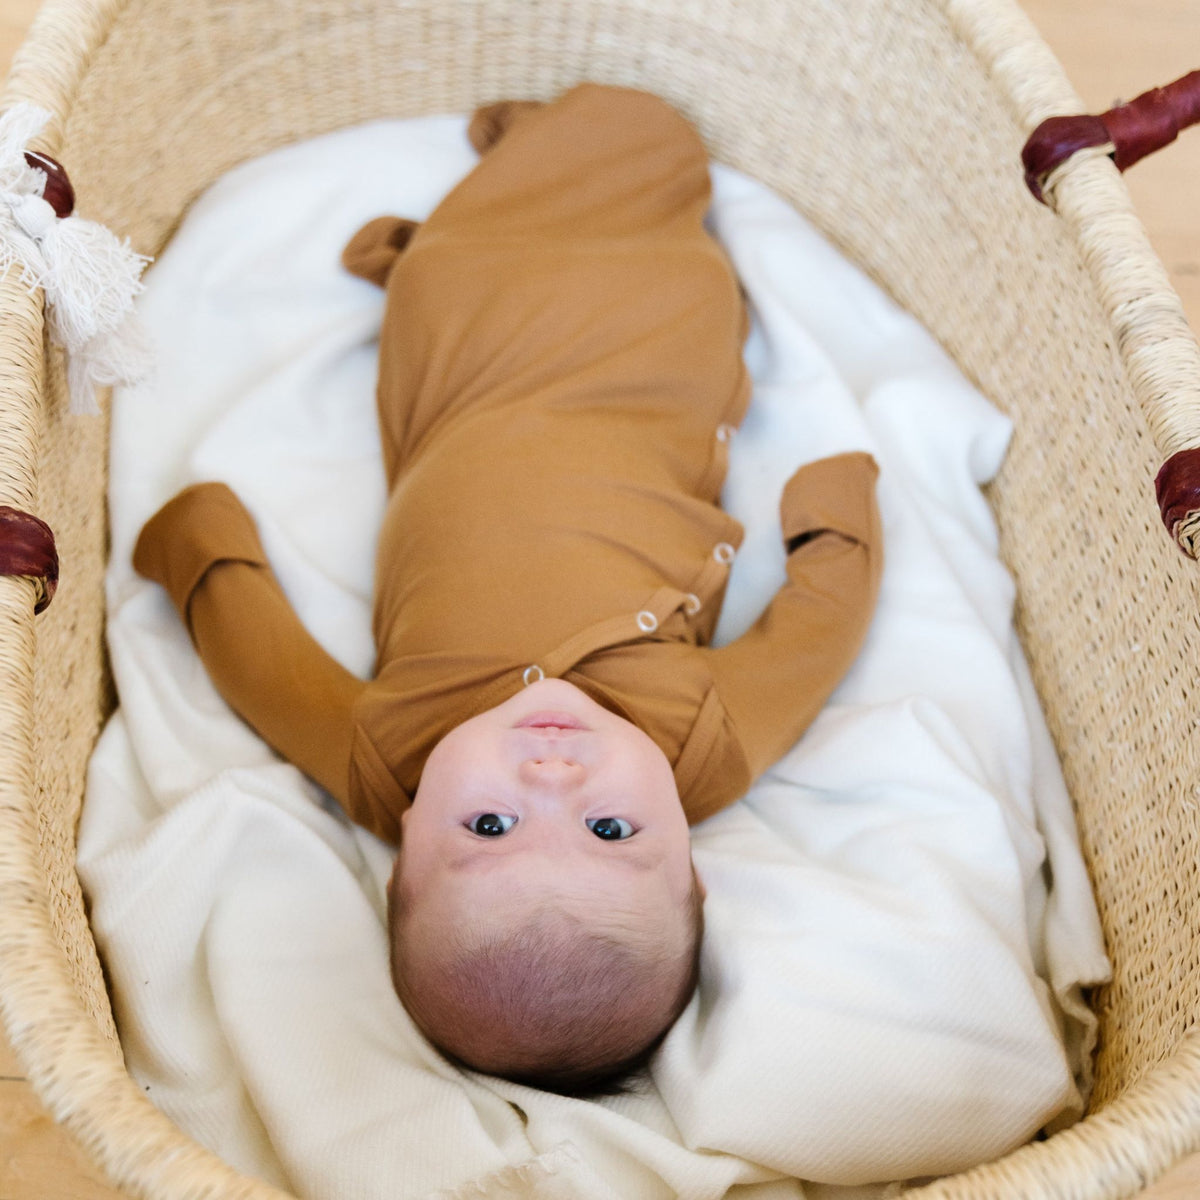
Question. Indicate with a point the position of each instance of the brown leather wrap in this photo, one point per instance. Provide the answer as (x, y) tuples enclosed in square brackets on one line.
[(58, 193), (1177, 487), (27, 548), (1145, 124)]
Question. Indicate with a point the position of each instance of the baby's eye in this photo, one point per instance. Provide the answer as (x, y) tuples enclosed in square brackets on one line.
[(611, 829), (491, 824)]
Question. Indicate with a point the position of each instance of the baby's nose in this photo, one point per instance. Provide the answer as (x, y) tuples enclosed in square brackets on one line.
[(551, 771)]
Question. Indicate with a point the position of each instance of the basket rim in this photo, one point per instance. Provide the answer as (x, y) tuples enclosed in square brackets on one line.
[(81, 1077), (1156, 343)]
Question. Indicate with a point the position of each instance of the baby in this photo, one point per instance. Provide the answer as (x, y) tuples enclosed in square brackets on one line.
[(560, 376)]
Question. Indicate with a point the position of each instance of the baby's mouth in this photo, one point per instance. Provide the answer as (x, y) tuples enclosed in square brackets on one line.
[(551, 721)]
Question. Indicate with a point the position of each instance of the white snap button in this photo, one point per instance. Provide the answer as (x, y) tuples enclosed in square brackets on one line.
[(533, 674), (723, 552), (725, 433), (647, 621), (692, 604)]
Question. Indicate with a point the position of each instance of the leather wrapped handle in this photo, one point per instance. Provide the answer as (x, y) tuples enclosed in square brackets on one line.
[(27, 542), (59, 193), (1177, 487), (1130, 132), (1145, 124), (27, 548)]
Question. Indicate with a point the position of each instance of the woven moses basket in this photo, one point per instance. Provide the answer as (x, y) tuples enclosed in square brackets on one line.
[(894, 125)]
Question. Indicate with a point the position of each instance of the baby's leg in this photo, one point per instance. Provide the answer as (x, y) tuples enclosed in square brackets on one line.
[(371, 252), (492, 121)]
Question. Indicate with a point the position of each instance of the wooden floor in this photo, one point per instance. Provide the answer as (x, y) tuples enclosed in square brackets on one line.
[(1112, 50)]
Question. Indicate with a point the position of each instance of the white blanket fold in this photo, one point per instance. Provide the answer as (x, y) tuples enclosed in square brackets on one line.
[(898, 919)]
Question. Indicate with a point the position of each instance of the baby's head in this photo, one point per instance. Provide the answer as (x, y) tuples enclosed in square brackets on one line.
[(545, 917)]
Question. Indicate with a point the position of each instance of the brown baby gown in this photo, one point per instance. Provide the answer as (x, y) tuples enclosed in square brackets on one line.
[(560, 376)]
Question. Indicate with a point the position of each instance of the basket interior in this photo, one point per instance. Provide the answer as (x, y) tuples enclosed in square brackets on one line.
[(877, 120)]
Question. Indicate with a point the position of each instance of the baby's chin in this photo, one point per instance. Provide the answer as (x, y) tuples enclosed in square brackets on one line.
[(556, 692)]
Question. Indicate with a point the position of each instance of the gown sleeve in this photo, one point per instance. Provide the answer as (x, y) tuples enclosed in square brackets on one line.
[(203, 548), (775, 678)]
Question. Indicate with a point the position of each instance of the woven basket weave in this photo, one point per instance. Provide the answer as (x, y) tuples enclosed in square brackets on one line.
[(894, 125)]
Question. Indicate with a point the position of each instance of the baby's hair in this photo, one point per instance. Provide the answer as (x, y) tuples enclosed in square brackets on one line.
[(556, 1003)]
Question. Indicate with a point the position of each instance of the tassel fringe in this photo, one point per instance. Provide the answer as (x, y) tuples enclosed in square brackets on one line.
[(89, 277)]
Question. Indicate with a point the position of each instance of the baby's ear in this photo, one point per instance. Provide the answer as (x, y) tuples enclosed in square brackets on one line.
[(371, 252)]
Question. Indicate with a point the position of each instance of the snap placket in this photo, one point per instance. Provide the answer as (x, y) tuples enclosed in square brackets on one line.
[(724, 553), (647, 622), (612, 631), (725, 433)]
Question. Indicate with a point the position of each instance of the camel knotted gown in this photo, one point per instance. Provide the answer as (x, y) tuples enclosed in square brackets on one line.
[(560, 375)]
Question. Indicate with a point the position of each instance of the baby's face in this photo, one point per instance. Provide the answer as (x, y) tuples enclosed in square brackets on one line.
[(546, 793)]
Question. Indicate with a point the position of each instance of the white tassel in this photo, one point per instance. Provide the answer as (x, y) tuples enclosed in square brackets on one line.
[(18, 127), (89, 277), (120, 356)]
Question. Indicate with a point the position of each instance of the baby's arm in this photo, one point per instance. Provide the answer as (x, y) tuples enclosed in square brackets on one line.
[(775, 678), (203, 547)]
